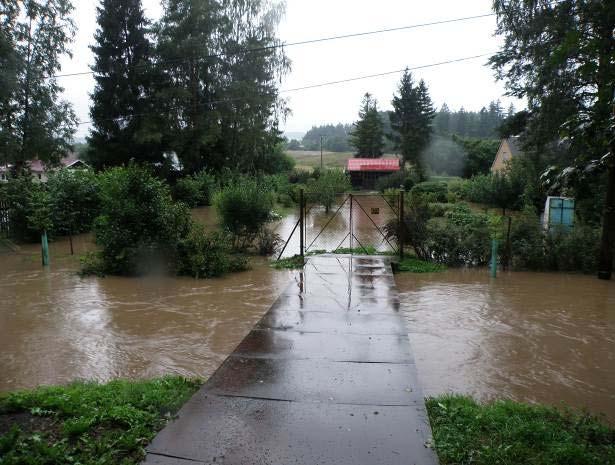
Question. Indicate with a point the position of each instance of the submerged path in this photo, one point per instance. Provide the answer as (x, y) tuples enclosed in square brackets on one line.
[(326, 377)]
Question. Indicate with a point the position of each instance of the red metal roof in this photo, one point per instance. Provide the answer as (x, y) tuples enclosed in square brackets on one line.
[(373, 164)]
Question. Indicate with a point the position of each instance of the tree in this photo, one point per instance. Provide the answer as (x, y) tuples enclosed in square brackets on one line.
[(368, 132), (480, 154), (35, 123), (442, 120), (327, 185), (569, 85), (220, 106), (122, 97), (411, 121)]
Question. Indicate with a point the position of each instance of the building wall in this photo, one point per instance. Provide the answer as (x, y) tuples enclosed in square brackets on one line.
[(502, 157)]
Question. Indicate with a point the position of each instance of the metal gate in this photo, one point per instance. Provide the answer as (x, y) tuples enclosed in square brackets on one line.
[(354, 223)]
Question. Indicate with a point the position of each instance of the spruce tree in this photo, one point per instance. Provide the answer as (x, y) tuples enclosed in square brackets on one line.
[(122, 98), (368, 133), (411, 121)]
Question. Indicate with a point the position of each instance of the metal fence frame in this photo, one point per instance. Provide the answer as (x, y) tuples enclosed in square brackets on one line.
[(353, 199)]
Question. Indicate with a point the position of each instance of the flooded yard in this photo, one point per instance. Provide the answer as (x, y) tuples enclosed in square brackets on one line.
[(528, 336)]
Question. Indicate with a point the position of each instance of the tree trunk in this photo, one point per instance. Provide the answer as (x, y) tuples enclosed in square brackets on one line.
[(605, 266)]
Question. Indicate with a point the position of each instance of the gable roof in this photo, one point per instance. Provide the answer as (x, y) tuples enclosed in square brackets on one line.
[(373, 164), (514, 145)]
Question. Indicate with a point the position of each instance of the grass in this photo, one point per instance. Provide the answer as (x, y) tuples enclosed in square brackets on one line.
[(289, 263), (88, 423), (311, 159), (103, 424), (511, 433), (414, 265)]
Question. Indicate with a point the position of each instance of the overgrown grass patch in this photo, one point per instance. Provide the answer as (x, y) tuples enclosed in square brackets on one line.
[(289, 263), (88, 423), (415, 265), (511, 433)]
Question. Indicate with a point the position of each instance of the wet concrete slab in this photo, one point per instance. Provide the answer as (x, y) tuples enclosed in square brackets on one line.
[(318, 381), (333, 323), (334, 347), (227, 430), (326, 377)]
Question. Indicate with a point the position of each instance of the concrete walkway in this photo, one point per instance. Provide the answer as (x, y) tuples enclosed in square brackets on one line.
[(326, 377)]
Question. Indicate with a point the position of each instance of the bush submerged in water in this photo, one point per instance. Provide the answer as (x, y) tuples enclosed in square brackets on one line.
[(244, 207), (196, 190), (141, 230)]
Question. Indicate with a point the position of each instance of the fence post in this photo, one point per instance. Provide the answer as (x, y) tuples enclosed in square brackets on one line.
[(400, 221), (494, 258), (351, 226), (301, 224), (45, 248)]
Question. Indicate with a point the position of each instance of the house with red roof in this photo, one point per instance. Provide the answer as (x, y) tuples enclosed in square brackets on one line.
[(364, 172)]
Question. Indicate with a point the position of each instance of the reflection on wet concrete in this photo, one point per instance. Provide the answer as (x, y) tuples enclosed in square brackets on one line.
[(537, 337), (317, 381)]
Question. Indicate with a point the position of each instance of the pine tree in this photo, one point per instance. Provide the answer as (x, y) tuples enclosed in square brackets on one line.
[(368, 133), (442, 120), (122, 97), (411, 120)]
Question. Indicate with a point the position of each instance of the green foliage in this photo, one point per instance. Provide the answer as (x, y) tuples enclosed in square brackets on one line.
[(411, 121), (432, 191), (244, 208), (415, 265), (208, 255), (241, 133), (335, 138), (196, 190), (327, 185), (368, 132), (463, 123), (140, 227), (503, 190), (89, 423), (124, 79), (268, 242), (40, 218), (480, 154), (398, 180), (511, 433), (75, 200), (34, 122), (359, 250), (289, 263), (21, 194)]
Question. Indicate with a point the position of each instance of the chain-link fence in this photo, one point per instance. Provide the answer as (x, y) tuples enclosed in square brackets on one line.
[(344, 223)]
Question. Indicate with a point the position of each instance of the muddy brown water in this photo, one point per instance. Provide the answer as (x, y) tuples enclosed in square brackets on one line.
[(528, 336)]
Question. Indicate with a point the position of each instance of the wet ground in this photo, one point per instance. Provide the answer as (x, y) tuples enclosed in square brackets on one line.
[(305, 385), (529, 336)]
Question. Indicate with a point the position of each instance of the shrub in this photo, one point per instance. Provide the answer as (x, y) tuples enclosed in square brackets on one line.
[(21, 192), (432, 191), (196, 190), (140, 227), (208, 255), (502, 190), (397, 180), (299, 176), (574, 249), (267, 242), (244, 208), (75, 200), (329, 183)]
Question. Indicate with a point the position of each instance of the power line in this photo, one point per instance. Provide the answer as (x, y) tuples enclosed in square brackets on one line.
[(323, 84), (302, 42)]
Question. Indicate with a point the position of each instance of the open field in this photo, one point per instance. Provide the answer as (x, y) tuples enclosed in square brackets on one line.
[(310, 159)]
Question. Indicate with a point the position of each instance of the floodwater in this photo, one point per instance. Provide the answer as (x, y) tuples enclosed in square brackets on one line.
[(536, 337), (528, 336)]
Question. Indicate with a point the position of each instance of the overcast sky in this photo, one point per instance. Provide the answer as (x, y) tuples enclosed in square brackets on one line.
[(469, 84)]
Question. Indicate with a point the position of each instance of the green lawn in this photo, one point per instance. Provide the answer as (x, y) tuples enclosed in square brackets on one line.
[(88, 423), (512, 433)]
